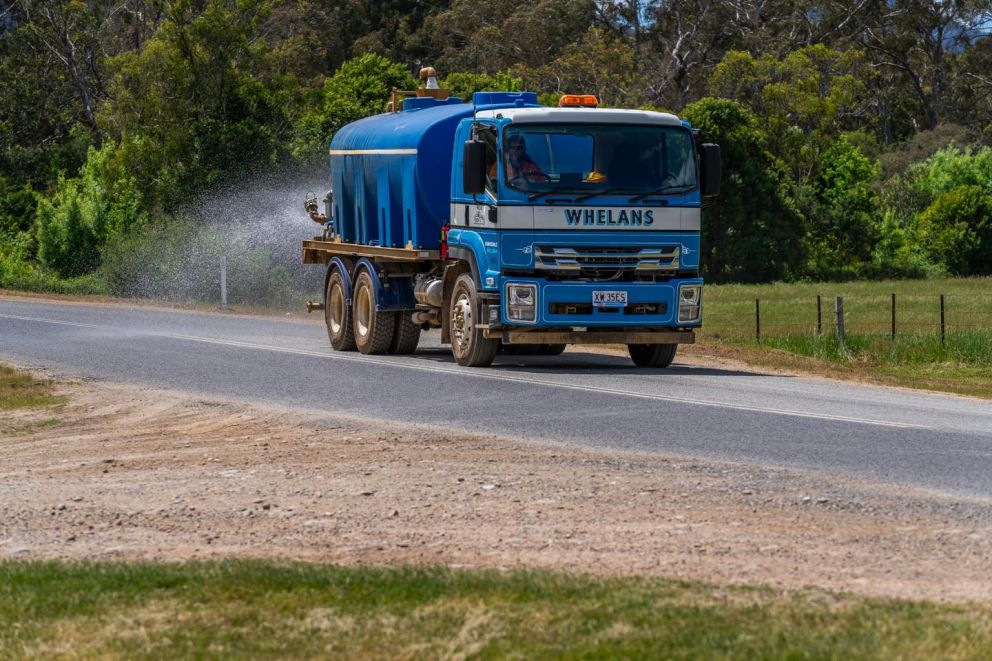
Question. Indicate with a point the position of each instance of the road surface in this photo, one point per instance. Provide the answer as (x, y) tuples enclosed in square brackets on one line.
[(892, 436)]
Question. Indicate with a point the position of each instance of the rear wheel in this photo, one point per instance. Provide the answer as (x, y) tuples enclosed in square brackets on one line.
[(469, 346), (373, 329), (406, 337), (337, 314), (652, 355)]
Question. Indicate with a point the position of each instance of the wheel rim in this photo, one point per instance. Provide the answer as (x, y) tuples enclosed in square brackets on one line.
[(363, 311), (337, 309), (461, 322)]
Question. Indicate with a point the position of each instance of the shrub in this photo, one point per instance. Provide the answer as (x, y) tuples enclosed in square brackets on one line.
[(844, 228), (101, 204), (951, 168), (957, 230)]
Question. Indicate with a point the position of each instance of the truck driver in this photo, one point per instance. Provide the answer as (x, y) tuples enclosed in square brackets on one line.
[(518, 163)]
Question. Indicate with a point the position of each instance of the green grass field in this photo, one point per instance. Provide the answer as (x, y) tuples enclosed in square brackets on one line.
[(790, 309), (959, 360), (261, 609)]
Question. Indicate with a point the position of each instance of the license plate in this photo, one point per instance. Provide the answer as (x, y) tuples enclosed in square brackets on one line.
[(608, 298)]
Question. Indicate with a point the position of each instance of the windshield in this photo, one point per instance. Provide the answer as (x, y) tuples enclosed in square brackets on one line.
[(594, 159)]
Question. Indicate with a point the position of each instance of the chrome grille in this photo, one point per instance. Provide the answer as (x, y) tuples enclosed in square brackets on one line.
[(579, 259)]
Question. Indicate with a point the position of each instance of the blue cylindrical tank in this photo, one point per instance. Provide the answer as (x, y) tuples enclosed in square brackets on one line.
[(391, 173)]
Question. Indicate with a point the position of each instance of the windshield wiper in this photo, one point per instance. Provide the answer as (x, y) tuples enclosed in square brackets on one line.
[(542, 193), (605, 191), (662, 190)]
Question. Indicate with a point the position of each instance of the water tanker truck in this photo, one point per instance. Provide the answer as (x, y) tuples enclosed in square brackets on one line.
[(513, 226)]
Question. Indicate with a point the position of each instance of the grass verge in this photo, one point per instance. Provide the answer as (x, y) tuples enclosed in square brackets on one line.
[(264, 609), (19, 390), (794, 337)]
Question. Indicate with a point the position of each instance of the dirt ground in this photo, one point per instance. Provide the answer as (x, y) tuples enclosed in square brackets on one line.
[(128, 473)]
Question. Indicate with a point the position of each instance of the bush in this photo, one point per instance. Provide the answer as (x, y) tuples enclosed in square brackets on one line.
[(86, 212), (844, 228), (957, 230), (17, 209)]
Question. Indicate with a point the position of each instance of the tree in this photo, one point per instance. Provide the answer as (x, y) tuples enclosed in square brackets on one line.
[(844, 220), (581, 69), (502, 34), (190, 108), (755, 233), (687, 36), (919, 39), (67, 29), (361, 87), (464, 85), (805, 100)]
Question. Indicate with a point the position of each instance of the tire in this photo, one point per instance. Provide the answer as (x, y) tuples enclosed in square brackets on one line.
[(373, 329), (337, 314), (406, 337), (468, 345), (652, 355)]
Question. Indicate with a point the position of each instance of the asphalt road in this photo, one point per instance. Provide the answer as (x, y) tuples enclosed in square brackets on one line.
[(937, 442)]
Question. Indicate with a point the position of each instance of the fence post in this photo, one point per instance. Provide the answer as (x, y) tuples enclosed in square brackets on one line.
[(942, 326), (893, 316), (223, 281), (757, 319), (819, 316), (839, 313)]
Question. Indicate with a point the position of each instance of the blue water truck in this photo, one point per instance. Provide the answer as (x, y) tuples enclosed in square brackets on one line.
[(513, 226)]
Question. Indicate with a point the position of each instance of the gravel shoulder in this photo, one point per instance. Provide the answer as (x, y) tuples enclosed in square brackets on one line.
[(142, 474)]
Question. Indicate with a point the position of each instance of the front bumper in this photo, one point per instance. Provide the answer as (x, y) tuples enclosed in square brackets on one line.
[(535, 336), (567, 304)]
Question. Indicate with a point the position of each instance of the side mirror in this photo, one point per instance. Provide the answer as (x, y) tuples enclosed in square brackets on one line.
[(710, 170), (474, 167)]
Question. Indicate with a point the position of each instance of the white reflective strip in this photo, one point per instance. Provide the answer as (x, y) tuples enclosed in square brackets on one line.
[(516, 218), (387, 152), (691, 219)]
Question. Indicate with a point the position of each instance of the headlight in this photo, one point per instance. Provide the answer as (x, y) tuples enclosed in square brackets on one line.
[(521, 302), (690, 303)]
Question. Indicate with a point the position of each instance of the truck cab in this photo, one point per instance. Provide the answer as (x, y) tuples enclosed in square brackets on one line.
[(583, 224), (567, 225)]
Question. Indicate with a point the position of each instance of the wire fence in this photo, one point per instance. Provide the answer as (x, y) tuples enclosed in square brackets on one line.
[(891, 315)]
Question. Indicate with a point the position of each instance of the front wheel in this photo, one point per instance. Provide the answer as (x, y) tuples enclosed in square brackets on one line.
[(468, 345), (652, 355)]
